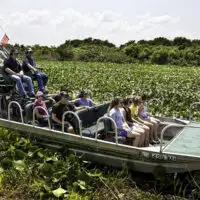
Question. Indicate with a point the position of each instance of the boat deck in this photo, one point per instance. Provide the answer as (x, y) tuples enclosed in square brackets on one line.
[(186, 143)]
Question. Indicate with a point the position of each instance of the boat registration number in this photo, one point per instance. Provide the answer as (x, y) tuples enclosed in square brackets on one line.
[(163, 157)]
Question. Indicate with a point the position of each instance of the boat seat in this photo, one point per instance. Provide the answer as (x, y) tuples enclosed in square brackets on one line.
[(89, 116), (90, 131)]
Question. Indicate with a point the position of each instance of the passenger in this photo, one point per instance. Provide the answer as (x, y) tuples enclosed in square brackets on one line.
[(134, 113), (41, 115), (83, 100), (30, 69), (59, 109), (14, 71), (123, 128), (144, 116), (147, 119), (144, 103), (141, 129)]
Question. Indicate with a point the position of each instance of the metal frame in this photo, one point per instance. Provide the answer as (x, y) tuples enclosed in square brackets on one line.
[(63, 120), (169, 126), (20, 109), (115, 127), (190, 109), (34, 111)]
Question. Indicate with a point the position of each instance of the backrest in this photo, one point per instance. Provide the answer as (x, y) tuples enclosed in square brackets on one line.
[(89, 116), (28, 112)]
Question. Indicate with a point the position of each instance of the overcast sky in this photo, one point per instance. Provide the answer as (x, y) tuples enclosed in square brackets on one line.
[(51, 22)]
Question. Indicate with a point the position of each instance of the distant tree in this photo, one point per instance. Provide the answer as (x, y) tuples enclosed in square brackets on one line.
[(159, 57), (161, 41), (131, 42), (178, 41)]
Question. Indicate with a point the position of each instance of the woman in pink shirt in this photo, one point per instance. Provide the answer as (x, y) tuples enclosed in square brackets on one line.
[(40, 113)]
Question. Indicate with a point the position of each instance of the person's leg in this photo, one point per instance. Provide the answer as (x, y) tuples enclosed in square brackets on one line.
[(137, 138), (151, 130), (70, 129), (29, 82), (44, 78), (38, 77), (43, 122), (147, 131), (155, 126), (142, 135), (18, 81)]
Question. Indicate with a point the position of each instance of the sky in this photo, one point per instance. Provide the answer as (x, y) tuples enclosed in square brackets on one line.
[(52, 22)]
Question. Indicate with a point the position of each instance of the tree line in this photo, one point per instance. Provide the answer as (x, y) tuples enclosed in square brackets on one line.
[(162, 51)]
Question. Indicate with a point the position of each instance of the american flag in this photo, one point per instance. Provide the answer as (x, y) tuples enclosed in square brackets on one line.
[(3, 37), (4, 40)]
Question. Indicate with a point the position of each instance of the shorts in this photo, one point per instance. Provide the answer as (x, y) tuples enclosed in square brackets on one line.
[(144, 116), (123, 133)]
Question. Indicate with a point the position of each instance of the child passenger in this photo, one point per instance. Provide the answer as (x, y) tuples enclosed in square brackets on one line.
[(122, 127)]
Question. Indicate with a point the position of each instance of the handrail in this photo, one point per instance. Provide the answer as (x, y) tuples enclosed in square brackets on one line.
[(169, 126), (115, 127), (190, 110), (155, 99), (20, 109), (77, 117), (34, 111)]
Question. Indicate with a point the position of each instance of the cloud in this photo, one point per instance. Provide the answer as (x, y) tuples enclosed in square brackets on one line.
[(46, 27)]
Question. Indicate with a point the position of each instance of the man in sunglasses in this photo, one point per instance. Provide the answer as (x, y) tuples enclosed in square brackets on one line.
[(13, 69), (30, 69)]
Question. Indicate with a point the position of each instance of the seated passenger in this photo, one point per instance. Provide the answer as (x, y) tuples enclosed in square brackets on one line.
[(134, 113), (122, 127), (41, 115), (141, 129), (83, 100), (144, 103), (30, 69), (148, 120), (14, 71), (58, 110)]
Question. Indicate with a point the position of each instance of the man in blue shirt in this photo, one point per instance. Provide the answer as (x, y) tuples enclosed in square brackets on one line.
[(14, 71), (30, 69)]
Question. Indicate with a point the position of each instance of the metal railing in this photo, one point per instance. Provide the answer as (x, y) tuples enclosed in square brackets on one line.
[(170, 126), (190, 109), (20, 110), (40, 107), (63, 121), (113, 122)]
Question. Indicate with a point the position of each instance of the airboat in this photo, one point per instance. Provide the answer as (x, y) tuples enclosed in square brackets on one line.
[(97, 140)]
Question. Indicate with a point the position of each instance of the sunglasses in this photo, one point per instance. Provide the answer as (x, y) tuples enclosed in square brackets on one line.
[(130, 102)]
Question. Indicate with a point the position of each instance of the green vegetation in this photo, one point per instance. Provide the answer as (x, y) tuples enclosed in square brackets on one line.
[(177, 87)]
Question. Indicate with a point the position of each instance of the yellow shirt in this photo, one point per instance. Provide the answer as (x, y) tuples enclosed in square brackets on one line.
[(134, 111)]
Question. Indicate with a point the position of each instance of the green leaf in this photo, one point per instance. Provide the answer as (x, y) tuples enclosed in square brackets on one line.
[(19, 165), (1, 170), (59, 192)]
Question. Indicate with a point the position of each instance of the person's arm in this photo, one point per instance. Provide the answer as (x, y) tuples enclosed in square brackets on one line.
[(11, 72), (54, 117), (31, 67), (39, 116)]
